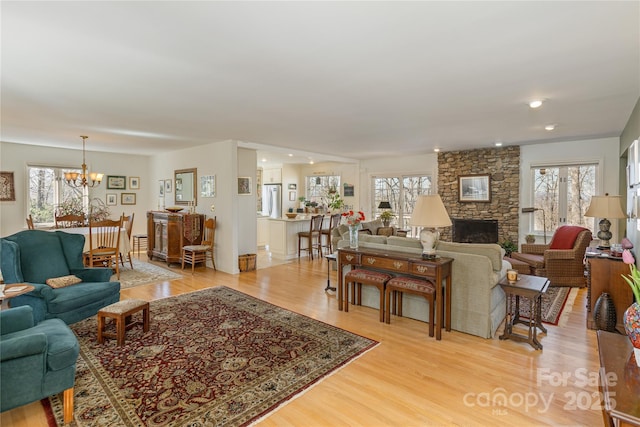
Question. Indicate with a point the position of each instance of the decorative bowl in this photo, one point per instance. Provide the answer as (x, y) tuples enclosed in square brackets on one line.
[(174, 209), (291, 215)]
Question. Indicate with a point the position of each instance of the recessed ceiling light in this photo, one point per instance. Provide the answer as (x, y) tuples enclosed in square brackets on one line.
[(436, 150), (290, 155), (310, 162), (535, 103), (498, 144), (550, 127)]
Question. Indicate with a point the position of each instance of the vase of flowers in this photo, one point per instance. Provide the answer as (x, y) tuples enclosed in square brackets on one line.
[(353, 220), (632, 314)]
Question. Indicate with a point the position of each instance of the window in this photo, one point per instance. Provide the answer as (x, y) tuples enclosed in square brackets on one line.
[(317, 187), (564, 194), (47, 190), (401, 192)]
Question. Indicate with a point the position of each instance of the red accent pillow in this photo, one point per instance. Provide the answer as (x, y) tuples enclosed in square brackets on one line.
[(565, 237)]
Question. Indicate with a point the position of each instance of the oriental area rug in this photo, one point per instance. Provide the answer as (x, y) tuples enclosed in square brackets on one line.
[(557, 303), (142, 273), (215, 357)]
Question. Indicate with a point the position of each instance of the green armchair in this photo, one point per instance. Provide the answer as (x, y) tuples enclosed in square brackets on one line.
[(36, 361), (33, 256)]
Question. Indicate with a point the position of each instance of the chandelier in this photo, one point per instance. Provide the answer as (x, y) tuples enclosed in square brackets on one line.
[(83, 179)]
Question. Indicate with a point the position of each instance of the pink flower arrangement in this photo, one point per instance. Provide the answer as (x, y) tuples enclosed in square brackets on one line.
[(353, 218), (632, 279)]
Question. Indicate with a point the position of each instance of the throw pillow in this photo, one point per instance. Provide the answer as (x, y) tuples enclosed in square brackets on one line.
[(565, 237), (63, 282)]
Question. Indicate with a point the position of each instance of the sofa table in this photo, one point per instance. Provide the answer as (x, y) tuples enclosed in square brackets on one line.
[(14, 290), (531, 287), (330, 258), (395, 262), (619, 386)]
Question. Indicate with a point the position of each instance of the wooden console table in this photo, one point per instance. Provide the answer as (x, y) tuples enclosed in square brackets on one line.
[(619, 385), (395, 262), (166, 235)]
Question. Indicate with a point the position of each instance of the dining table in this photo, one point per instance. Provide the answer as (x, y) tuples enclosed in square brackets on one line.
[(125, 245)]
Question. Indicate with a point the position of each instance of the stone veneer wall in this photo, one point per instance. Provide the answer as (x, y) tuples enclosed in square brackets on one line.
[(503, 166)]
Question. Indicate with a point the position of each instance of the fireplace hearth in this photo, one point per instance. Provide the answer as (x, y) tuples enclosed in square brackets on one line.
[(475, 230)]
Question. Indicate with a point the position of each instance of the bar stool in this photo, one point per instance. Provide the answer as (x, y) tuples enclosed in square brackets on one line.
[(358, 277), (314, 236), (410, 285), (136, 240), (334, 221)]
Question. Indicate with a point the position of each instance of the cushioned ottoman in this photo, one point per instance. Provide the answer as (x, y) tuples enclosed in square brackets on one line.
[(519, 266)]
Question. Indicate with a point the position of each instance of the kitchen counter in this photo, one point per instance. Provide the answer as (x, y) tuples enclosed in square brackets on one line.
[(283, 234)]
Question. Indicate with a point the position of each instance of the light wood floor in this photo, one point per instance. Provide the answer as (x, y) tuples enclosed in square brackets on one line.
[(411, 379)]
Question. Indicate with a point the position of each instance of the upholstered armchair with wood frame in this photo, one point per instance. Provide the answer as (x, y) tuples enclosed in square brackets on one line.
[(562, 260), (36, 360), (39, 257)]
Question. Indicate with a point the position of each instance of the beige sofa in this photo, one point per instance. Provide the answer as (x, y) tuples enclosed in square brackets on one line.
[(478, 304)]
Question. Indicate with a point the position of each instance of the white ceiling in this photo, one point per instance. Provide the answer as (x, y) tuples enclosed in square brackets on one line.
[(347, 79)]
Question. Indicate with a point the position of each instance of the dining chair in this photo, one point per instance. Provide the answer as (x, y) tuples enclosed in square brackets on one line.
[(313, 236), (30, 225), (104, 244), (69, 221), (193, 254), (334, 221), (128, 226)]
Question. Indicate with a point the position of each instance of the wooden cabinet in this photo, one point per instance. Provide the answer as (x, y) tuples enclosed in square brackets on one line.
[(263, 232), (605, 275), (167, 234)]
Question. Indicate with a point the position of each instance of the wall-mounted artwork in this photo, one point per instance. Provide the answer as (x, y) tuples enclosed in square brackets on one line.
[(7, 187), (348, 190), (128, 199), (161, 187), (168, 184), (474, 188), (208, 186), (116, 182), (244, 186), (112, 199), (134, 183)]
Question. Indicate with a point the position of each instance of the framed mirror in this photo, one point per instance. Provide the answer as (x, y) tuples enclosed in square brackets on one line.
[(185, 186)]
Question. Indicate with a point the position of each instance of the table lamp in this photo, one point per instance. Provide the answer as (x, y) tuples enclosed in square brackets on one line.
[(429, 213), (385, 215), (605, 207)]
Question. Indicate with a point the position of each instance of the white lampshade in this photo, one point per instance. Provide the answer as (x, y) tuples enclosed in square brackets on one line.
[(605, 207), (430, 212)]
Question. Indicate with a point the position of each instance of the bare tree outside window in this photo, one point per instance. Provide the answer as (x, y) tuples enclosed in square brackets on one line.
[(401, 192)]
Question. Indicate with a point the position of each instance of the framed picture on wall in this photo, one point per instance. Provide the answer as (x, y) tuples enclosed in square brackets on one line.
[(244, 186), (161, 187), (7, 187), (134, 183), (208, 186), (128, 199), (474, 188), (116, 182), (168, 184), (112, 199), (348, 190)]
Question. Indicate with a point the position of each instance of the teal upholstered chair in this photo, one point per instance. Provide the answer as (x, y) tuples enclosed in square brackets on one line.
[(36, 361), (33, 256)]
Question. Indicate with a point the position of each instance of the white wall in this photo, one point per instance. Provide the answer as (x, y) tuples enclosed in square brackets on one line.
[(14, 158), (603, 151)]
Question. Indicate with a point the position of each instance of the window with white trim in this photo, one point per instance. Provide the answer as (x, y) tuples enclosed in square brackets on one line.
[(47, 190)]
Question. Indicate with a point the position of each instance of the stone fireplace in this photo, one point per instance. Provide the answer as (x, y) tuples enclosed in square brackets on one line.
[(475, 230)]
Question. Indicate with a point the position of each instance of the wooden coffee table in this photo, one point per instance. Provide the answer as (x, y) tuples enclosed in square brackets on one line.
[(531, 287), (14, 290)]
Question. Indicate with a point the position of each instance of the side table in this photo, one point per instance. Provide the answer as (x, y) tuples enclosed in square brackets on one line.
[(14, 290), (531, 287)]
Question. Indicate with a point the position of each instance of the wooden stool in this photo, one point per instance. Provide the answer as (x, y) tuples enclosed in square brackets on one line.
[(357, 278), (414, 286), (121, 313), (136, 240)]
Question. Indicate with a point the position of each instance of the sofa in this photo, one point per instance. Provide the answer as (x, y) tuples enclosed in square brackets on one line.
[(36, 360), (37, 256), (478, 303)]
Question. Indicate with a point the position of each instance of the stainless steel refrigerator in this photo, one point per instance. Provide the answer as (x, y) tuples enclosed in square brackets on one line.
[(272, 200)]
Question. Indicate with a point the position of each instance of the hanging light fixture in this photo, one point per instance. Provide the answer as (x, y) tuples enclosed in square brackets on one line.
[(83, 179)]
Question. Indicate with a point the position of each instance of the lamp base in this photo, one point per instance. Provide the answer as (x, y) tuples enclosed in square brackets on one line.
[(430, 256)]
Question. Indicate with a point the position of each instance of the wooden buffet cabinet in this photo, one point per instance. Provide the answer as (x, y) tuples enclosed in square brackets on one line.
[(605, 275), (166, 235)]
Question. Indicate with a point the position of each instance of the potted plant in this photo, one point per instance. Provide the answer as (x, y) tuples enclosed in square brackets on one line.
[(530, 238), (632, 314), (386, 217), (334, 202), (509, 246)]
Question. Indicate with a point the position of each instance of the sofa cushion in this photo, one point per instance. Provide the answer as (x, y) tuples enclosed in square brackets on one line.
[(534, 260), (82, 294), (64, 281), (491, 250), (405, 242), (362, 237), (372, 226)]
